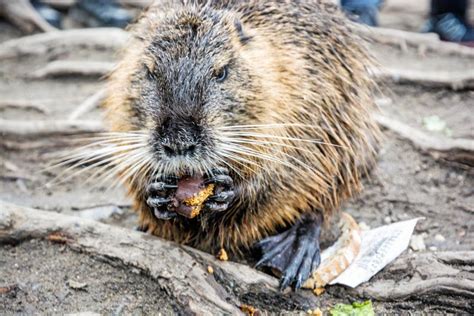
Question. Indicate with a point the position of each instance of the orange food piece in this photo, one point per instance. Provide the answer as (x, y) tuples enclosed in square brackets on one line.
[(222, 255), (318, 291), (249, 310), (190, 196), (196, 201)]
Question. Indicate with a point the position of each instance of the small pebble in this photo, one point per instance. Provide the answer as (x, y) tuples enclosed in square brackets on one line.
[(210, 269), (363, 226), (76, 285), (417, 242), (440, 238), (433, 248), (387, 220)]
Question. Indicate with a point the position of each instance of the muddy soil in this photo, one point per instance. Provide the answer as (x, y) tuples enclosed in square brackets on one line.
[(405, 183), (60, 281)]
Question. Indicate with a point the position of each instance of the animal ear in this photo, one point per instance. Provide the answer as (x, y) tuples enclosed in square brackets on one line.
[(244, 38)]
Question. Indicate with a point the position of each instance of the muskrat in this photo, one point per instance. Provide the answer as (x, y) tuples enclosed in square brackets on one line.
[(268, 100)]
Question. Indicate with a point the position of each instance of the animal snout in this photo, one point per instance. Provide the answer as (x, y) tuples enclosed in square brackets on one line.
[(183, 149)]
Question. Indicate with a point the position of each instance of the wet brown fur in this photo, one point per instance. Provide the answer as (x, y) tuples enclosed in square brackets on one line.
[(311, 70)]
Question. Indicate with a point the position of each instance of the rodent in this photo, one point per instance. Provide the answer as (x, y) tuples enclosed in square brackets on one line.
[(274, 94)]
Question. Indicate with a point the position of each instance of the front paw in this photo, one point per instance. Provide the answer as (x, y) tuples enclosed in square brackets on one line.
[(224, 191), (159, 197)]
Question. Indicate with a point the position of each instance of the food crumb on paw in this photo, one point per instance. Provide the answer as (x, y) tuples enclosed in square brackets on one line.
[(318, 291), (222, 255), (314, 312), (210, 270), (249, 310)]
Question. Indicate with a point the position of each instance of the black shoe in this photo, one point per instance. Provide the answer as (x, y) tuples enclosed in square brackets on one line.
[(51, 16), (451, 28), (362, 11), (95, 13)]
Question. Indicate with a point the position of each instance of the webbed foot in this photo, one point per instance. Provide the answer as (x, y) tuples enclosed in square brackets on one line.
[(295, 252)]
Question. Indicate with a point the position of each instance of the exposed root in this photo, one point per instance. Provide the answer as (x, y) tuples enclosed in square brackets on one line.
[(23, 105), (187, 282), (22, 14), (455, 149), (435, 278), (403, 40), (432, 79), (427, 277), (88, 105), (63, 4), (64, 41), (136, 3), (60, 68), (18, 128)]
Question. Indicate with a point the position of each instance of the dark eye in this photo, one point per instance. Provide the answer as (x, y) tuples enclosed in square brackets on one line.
[(221, 74)]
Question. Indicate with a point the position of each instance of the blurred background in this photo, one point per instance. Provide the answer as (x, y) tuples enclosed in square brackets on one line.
[(451, 19)]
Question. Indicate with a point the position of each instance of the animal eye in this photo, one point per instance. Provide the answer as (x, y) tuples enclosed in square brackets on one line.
[(221, 74)]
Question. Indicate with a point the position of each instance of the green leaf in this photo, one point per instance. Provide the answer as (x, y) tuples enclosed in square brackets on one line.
[(354, 309)]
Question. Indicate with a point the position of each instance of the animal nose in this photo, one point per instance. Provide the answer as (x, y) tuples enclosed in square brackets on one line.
[(179, 150)]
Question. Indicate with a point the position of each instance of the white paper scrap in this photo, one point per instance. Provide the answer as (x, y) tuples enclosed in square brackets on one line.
[(379, 247)]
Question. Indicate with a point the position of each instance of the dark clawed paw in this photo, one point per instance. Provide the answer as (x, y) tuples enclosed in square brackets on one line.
[(164, 214), (159, 197), (157, 202), (295, 253), (224, 191)]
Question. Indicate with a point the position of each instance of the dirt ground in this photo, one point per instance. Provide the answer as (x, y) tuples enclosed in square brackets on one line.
[(405, 183)]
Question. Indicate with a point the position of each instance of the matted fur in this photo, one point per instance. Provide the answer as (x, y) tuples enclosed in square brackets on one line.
[(300, 66)]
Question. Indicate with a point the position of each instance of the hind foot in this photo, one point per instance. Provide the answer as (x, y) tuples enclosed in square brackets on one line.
[(295, 252)]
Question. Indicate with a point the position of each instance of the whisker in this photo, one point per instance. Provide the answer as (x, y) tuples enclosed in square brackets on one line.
[(252, 153), (259, 135), (261, 142), (260, 126)]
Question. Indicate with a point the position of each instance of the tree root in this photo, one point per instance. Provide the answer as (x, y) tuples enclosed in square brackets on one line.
[(435, 277), (450, 80), (453, 149), (64, 4), (60, 68), (188, 283), (403, 40), (17, 128), (88, 105), (23, 105), (427, 276), (64, 41), (22, 14), (60, 4)]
